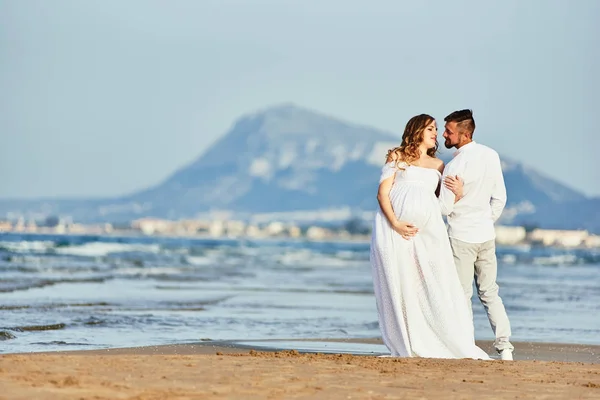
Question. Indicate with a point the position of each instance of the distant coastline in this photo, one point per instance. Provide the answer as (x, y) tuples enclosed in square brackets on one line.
[(350, 231)]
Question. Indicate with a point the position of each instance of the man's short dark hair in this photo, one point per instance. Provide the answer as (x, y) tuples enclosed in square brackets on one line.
[(464, 120)]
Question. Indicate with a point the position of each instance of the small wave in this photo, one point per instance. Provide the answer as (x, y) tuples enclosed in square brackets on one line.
[(137, 272), (518, 308), (372, 325), (14, 307), (199, 261), (93, 321), (30, 265), (5, 335), (352, 255), (54, 305), (196, 276), (36, 328), (307, 258), (294, 257), (270, 290), (99, 249), (262, 306), (61, 343), (13, 286), (161, 308), (509, 259), (27, 246), (562, 259)]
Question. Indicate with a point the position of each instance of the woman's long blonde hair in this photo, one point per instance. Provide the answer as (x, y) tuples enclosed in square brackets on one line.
[(408, 151)]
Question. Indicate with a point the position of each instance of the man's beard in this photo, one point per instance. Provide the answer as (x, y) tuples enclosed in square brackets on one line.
[(448, 144)]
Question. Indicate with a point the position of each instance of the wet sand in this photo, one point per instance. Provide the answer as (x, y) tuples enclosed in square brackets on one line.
[(227, 370)]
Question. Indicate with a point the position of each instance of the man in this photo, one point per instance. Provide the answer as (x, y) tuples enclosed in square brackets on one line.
[(471, 220)]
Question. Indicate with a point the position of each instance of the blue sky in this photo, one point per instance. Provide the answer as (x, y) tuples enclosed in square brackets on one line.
[(101, 98)]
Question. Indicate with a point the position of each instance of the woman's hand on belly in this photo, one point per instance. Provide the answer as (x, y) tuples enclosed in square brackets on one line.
[(405, 229)]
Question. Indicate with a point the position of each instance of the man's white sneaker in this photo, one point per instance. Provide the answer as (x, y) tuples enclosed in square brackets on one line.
[(506, 355)]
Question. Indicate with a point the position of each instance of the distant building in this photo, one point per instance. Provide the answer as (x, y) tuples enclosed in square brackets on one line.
[(593, 242), (31, 226), (216, 229), (5, 226), (254, 231), (275, 228), (150, 226), (60, 228), (510, 235), (77, 229), (558, 237), (294, 231), (235, 228), (192, 227), (317, 233)]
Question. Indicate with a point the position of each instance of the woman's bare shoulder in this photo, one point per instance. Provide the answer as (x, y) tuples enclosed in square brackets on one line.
[(432, 161), (436, 163)]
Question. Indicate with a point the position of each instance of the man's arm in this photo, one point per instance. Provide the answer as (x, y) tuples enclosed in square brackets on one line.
[(498, 199)]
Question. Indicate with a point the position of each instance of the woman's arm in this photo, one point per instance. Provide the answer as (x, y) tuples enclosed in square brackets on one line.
[(405, 229)]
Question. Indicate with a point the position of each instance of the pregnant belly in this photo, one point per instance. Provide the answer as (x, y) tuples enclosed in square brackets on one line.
[(415, 204)]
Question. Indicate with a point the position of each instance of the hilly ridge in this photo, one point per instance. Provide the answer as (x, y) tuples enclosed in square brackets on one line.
[(288, 158)]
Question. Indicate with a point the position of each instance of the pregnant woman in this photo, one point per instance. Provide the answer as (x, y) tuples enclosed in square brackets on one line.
[(421, 305)]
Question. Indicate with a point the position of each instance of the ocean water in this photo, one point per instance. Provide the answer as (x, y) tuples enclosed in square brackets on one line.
[(89, 292)]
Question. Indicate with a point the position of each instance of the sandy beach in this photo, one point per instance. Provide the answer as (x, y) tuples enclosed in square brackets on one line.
[(217, 370)]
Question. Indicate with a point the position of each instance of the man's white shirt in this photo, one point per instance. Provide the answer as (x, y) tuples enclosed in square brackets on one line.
[(472, 218)]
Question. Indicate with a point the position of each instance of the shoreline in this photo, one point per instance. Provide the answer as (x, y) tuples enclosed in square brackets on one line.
[(524, 351), (261, 370)]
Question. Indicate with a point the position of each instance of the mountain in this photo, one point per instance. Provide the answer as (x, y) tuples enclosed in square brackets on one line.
[(285, 158), (288, 158)]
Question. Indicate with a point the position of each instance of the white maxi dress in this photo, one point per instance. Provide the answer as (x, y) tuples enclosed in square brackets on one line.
[(421, 305)]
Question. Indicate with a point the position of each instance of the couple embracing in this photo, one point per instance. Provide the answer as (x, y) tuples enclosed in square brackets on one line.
[(422, 273)]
